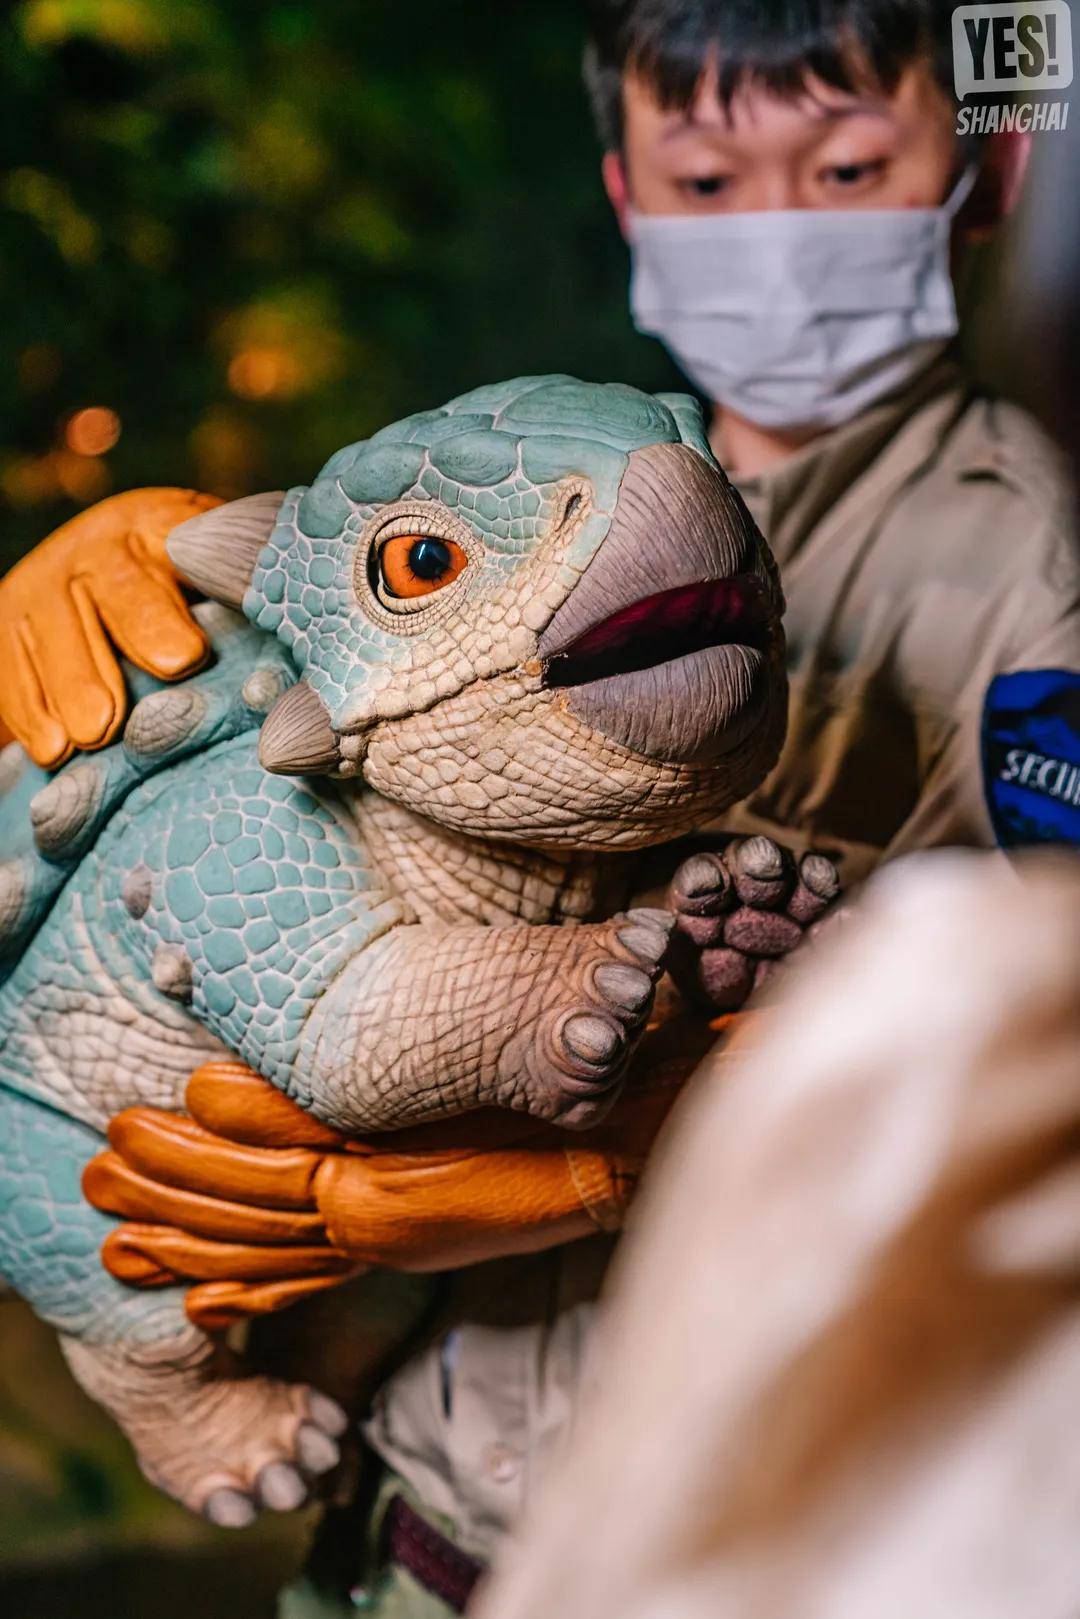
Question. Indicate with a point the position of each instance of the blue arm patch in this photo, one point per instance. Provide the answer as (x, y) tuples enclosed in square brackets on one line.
[(1031, 757)]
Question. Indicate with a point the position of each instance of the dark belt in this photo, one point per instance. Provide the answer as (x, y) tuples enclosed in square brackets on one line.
[(433, 1561)]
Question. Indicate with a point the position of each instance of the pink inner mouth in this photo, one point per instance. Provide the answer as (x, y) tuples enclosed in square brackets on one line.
[(658, 629)]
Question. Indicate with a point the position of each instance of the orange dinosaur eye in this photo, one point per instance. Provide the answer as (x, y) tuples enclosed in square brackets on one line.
[(417, 564)]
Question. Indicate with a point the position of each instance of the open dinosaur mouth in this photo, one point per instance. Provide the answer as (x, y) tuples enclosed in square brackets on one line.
[(685, 675), (659, 629)]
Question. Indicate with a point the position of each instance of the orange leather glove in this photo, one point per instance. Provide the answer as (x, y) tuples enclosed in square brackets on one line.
[(103, 579), (259, 1204)]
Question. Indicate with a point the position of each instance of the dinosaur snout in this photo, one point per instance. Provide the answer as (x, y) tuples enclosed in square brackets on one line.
[(671, 643)]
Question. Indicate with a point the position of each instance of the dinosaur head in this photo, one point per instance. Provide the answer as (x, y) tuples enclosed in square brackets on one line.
[(540, 613)]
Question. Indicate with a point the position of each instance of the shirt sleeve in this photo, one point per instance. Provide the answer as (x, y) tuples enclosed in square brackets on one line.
[(1008, 773)]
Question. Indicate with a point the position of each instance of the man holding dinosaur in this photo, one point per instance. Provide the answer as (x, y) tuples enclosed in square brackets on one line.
[(929, 563)]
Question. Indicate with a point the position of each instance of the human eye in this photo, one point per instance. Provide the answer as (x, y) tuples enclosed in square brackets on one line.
[(854, 176), (702, 187)]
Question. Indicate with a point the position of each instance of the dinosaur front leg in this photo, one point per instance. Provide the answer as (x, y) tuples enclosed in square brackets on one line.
[(436, 1019)]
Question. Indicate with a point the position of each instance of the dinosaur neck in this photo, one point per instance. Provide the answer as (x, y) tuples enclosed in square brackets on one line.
[(455, 878)]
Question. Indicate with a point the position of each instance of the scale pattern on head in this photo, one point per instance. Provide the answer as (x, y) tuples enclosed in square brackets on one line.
[(531, 467)]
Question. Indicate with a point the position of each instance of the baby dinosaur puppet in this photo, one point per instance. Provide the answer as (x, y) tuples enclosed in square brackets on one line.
[(536, 633)]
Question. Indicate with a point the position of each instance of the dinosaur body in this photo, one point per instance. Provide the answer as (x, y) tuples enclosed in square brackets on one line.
[(535, 633)]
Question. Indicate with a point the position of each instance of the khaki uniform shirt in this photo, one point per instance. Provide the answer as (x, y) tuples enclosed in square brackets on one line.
[(924, 548)]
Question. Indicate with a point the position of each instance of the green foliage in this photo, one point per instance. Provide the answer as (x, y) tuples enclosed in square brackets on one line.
[(258, 231)]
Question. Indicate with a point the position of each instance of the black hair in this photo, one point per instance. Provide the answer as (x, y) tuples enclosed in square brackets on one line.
[(774, 43)]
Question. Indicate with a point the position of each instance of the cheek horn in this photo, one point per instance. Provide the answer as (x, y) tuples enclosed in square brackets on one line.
[(297, 738), (217, 551)]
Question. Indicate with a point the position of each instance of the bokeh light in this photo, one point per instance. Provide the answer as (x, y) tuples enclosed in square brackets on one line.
[(257, 233), (31, 480), (225, 449), (92, 431), (264, 373), (82, 477)]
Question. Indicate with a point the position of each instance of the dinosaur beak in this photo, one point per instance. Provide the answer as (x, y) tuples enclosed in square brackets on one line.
[(670, 644), (217, 551)]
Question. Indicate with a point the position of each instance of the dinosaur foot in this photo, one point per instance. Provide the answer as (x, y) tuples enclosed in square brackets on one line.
[(221, 1444), (740, 914), (574, 1054)]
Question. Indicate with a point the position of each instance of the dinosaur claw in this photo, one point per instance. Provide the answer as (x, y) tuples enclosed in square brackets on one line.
[(645, 933), (326, 1414), (763, 872), (315, 1450), (702, 885), (592, 1040), (229, 1509), (627, 989), (281, 1488)]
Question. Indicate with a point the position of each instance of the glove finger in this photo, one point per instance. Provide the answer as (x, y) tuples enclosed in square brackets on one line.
[(24, 705), (112, 1185), (232, 1100), (146, 615), (152, 514), (80, 676), (178, 1152), (153, 1256), (216, 1306)]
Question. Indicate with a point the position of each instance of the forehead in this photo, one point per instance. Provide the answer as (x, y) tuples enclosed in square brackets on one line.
[(495, 453), (758, 120)]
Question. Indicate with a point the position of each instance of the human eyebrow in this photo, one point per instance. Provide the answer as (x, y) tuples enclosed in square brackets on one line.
[(836, 114), (689, 127)]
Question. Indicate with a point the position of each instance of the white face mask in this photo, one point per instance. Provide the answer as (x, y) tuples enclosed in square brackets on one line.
[(797, 317)]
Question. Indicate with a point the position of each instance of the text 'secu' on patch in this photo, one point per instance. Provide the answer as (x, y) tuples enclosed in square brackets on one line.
[(1031, 757)]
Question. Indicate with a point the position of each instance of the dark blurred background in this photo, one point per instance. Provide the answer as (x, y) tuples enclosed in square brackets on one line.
[(233, 237)]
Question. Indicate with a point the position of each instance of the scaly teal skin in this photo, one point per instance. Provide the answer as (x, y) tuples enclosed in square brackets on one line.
[(50, 1130), (30, 879), (177, 900)]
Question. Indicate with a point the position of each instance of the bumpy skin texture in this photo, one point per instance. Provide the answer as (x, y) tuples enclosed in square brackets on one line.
[(388, 947)]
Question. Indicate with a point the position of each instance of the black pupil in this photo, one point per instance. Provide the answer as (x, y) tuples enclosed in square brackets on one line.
[(429, 559)]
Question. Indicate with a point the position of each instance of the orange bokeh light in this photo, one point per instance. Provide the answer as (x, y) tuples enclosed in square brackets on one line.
[(84, 478), (31, 480), (92, 431), (263, 373)]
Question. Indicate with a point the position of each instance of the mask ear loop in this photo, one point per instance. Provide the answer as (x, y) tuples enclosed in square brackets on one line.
[(960, 192)]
